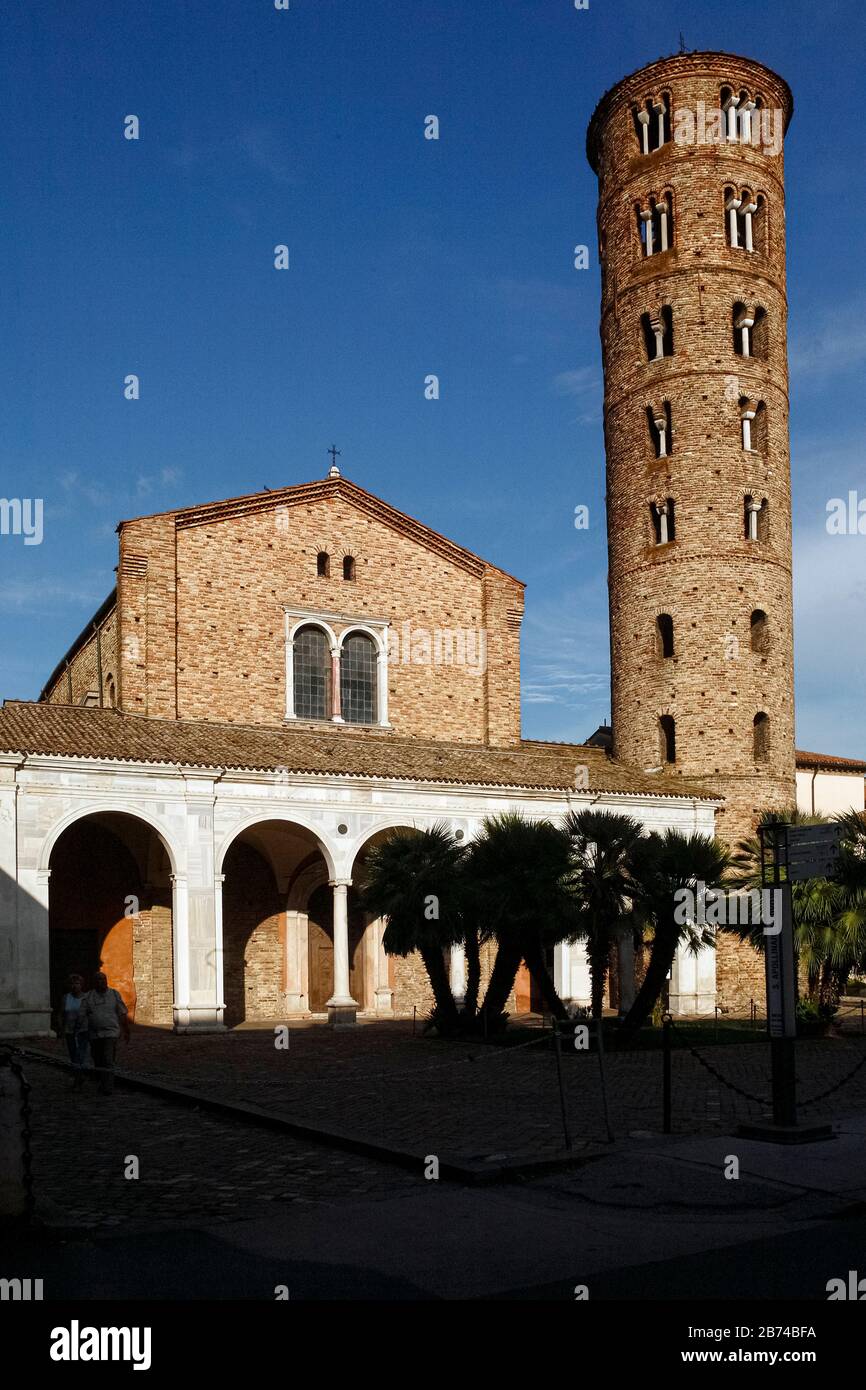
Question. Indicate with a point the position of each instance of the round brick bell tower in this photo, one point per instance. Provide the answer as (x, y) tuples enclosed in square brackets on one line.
[(691, 222)]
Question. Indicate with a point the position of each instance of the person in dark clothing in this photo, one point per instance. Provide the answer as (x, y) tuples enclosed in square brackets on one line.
[(106, 1017)]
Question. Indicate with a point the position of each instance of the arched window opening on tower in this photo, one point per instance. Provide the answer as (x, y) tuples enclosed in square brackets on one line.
[(323, 565), (656, 225), (759, 632), (761, 738), (359, 679), (662, 514), (311, 673), (757, 519), (110, 696), (348, 567), (730, 102), (667, 739), (664, 635), (652, 123), (753, 424), (742, 116), (745, 219), (658, 333), (750, 331), (758, 240), (660, 429)]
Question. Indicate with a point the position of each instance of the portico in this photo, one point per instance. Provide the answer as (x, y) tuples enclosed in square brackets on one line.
[(216, 893)]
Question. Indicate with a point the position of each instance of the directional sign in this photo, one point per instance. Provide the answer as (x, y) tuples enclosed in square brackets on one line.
[(812, 851)]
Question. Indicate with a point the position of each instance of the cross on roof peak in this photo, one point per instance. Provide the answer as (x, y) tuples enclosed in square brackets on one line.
[(333, 471)]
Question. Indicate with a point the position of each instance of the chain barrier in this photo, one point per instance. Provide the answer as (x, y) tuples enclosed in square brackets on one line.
[(747, 1095), (822, 1095), (759, 1100)]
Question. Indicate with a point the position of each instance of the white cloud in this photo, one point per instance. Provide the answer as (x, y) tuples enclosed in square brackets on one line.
[(43, 595), (578, 382)]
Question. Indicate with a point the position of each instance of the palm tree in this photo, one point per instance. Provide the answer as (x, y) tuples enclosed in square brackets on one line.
[(413, 879), (664, 865), (516, 872), (829, 932), (603, 844), (848, 951)]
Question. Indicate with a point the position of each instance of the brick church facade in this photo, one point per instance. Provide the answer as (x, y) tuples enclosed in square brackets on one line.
[(277, 681), (280, 679)]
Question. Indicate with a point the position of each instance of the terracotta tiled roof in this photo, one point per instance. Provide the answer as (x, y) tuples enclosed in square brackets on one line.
[(73, 731), (818, 761)]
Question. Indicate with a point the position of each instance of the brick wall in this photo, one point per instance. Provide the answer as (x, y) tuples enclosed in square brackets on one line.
[(82, 677), (202, 627)]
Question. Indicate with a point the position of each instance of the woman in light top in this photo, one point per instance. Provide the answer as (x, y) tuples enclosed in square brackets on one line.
[(73, 1027)]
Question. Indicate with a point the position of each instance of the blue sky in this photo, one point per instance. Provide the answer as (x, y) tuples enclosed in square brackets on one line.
[(408, 256)]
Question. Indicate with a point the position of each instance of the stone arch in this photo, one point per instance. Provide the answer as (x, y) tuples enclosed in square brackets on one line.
[(175, 859), (260, 817), (270, 863), (314, 622), (110, 907)]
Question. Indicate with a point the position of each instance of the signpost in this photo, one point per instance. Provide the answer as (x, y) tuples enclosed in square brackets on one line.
[(789, 854)]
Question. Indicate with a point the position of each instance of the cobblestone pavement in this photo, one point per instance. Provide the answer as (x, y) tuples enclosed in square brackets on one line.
[(193, 1167), (472, 1101)]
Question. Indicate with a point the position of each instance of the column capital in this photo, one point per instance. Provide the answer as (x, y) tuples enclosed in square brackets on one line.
[(339, 883)]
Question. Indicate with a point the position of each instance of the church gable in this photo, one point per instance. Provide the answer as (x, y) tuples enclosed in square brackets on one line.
[(288, 605)]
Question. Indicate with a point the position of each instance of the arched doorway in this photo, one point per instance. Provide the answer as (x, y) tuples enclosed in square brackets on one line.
[(109, 908), (268, 870), (320, 927)]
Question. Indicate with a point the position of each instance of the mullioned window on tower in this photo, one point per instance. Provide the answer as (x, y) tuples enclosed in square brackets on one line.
[(655, 224), (756, 518), (742, 116), (750, 330), (753, 425), (652, 123), (658, 333), (663, 524), (745, 219), (660, 429)]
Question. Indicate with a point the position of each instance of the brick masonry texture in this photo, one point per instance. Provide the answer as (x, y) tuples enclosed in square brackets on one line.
[(202, 629), (709, 579), (90, 670)]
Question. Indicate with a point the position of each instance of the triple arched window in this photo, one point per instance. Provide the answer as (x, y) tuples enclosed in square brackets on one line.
[(745, 219), (334, 679)]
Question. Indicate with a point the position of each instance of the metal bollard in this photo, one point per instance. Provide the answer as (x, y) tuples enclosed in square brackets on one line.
[(667, 1025), (557, 1047), (16, 1190)]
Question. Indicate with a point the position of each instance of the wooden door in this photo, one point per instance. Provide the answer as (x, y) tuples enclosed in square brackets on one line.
[(320, 912), (321, 967)]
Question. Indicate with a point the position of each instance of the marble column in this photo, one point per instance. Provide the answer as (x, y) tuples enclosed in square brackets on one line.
[(342, 1008)]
